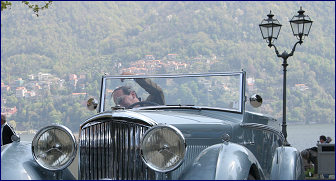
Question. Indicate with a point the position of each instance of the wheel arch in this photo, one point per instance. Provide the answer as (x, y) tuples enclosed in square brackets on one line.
[(287, 164), (225, 161), (17, 163), (254, 171), (236, 162)]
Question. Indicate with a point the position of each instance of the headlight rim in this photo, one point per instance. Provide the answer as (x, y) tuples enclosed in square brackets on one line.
[(68, 132), (179, 133)]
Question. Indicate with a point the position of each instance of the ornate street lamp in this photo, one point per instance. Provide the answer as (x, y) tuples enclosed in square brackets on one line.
[(270, 29), (301, 25)]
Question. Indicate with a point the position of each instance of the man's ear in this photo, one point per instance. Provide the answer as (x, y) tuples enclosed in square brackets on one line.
[(133, 94)]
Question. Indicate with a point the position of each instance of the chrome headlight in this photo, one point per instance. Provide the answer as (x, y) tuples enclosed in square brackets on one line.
[(163, 148), (54, 147)]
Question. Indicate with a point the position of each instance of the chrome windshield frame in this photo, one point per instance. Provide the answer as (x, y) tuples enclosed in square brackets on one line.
[(242, 75)]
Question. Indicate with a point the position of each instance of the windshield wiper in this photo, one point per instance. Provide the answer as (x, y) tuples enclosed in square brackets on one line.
[(177, 106), (180, 105)]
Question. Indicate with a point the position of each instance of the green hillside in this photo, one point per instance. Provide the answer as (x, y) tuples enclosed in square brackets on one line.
[(92, 38)]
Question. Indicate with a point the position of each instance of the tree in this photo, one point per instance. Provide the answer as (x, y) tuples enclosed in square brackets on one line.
[(5, 4), (35, 7)]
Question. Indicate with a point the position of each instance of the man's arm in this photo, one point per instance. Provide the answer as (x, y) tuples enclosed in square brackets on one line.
[(155, 92)]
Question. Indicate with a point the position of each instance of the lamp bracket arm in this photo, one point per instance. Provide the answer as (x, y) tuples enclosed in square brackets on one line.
[(276, 50), (293, 50)]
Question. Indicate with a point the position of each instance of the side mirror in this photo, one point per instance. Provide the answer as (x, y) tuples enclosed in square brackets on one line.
[(92, 104), (15, 138), (255, 100)]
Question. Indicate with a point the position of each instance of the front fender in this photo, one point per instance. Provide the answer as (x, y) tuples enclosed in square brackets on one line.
[(226, 161), (17, 163), (287, 164)]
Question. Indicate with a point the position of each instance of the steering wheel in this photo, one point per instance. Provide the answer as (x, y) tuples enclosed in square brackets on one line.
[(143, 103)]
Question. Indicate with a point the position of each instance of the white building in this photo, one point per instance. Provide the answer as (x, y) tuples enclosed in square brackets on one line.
[(31, 77), (20, 92), (43, 76)]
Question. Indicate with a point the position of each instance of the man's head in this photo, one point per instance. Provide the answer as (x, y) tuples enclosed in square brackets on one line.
[(3, 119), (323, 139), (124, 96)]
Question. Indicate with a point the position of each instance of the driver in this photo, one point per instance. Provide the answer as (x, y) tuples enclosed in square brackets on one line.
[(125, 96)]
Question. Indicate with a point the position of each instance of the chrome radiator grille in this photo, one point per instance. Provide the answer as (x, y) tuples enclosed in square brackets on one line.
[(111, 149)]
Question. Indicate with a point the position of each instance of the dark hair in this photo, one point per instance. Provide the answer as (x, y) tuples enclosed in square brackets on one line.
[(322, 137), (126, 90)]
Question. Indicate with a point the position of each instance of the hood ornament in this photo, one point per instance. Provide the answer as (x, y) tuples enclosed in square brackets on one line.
[(226, 138)]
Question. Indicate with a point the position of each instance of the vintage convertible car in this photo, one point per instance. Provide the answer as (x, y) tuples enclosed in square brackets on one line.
[(202, 131)]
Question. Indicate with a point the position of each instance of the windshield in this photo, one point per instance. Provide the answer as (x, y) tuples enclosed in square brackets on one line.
[(216, 90)]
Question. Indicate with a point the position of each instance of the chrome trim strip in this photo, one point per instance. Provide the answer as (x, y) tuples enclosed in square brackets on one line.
[(242, 92), (174, 75), (262, 127), (102, 95), (121, 114)]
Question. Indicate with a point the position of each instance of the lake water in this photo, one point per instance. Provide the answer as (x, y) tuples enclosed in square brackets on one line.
[(299, 136), (306, 136)]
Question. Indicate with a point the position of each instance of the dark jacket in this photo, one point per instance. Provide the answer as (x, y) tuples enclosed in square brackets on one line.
[(6, 134), (155, 92)]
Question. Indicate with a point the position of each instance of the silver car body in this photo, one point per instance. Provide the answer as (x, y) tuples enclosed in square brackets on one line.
[(221, 143)]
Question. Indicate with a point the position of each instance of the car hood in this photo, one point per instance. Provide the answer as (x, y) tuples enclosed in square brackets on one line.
[(188, 117), (196, 124)]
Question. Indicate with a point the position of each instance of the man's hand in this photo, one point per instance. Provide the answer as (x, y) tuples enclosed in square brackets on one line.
[(126, 73)]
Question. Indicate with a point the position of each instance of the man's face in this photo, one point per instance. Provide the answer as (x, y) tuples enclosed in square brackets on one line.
[(2, 119), (124, 100)]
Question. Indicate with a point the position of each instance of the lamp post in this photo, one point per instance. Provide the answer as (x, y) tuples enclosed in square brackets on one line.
[(270, 29)]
